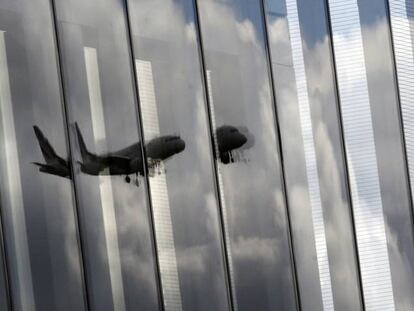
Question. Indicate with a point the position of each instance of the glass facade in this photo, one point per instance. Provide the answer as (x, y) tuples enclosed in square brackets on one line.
[(183, 194), (315, 173), (375, 152), (120, 267), (206, 155), (37, 209), (240, 97)]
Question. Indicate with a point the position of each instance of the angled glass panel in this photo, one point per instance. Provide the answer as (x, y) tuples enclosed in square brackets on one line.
[(35, 188), (4, 290), (374, 148), (179, 151), (402, 22), (107, 155), (248, 162), (313, 155), (402, 14)]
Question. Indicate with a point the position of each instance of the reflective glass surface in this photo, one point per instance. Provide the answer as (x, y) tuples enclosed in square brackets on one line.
[(107, 155), (392, 167), (306, 101), (372, 130), (179, 151), (37, 204), (401, 15), (4, 293), (248, 165)]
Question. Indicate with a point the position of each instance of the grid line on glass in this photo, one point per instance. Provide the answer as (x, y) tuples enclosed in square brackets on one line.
[(221, 187), (361, 155)]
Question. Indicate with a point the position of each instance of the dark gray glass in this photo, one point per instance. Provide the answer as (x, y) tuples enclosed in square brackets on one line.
[(374, 147), (314, 162), (4, 293), (401, 17), (248, 162), (179, 151), (37, 204), (107, 155)]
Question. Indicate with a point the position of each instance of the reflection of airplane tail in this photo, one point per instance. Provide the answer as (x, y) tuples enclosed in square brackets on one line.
[(86, 155), (48, 152), (45, 167), (54, 164)]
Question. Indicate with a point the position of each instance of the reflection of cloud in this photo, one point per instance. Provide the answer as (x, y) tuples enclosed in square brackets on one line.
[(391, 168), (338, 229), (246, 32), (166, 37), (255, 207), (280, 41), (394, 192), (192, 259), (255, 249), (379, 74)]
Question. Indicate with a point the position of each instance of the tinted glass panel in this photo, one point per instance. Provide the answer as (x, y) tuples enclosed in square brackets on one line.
[(314, 164), (179, 155), (120, 265), (37, 204), (248, 165), (401, 14), (4, 297), (376, 161)]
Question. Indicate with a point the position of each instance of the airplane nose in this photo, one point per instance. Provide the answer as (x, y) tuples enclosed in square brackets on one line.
[(181, 144), (243, 139)]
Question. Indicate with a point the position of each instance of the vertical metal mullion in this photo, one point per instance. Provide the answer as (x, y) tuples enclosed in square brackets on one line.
[(4, 263), (279, 150), (400, 116), (63, 94), (144, 157), (344, 153), (225, 248)]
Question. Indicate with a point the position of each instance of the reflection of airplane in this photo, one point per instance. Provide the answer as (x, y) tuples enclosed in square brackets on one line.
[(122, 162), (162, 148), (54, 164), (229, 138), (128, 160)]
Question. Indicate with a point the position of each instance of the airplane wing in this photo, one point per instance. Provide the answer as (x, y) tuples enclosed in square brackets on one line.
[(118, 161)]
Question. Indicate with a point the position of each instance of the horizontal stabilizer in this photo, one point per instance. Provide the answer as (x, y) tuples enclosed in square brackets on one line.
[(54, 170)]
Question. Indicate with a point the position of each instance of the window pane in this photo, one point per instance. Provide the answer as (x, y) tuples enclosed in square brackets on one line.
[(4, 297), (120, 265), (248, 163), (179, 155), (313, 156), (37, 204), (372, 130)]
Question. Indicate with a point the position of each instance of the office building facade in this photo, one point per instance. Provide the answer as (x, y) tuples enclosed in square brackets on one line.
[(194, 155)]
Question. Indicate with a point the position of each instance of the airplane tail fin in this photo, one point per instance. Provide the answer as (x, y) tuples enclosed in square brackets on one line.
[(48, 152), (86, 155)]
